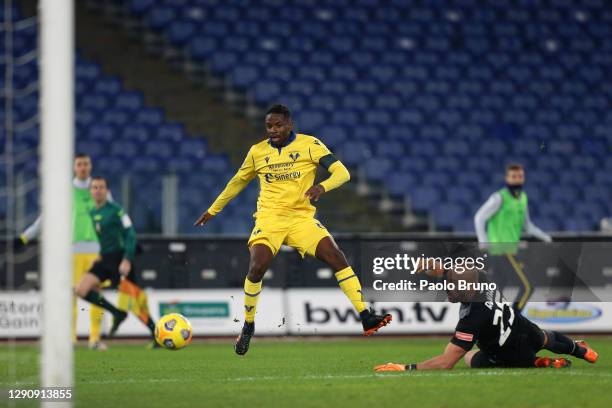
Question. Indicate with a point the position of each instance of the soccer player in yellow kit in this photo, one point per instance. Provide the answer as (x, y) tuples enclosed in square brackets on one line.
[(286, 165)]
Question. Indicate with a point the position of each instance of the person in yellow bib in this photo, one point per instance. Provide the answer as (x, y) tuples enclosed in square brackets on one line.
[(85, 245), (286, 164)]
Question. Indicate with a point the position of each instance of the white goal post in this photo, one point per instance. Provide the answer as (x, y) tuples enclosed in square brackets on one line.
[(56, 61)]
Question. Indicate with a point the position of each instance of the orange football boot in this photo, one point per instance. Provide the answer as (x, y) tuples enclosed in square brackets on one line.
[(591, 355), (548, 362)]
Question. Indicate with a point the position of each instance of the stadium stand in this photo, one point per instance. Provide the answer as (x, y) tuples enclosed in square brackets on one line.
[(467, 88), (434, 97), (124, 137)]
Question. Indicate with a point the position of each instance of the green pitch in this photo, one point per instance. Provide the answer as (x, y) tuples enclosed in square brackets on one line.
[(311, 373)]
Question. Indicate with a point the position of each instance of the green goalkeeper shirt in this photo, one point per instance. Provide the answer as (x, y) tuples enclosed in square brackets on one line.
[(114, 229)]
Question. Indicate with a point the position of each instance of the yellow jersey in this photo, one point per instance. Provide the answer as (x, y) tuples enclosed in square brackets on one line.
[(285, 173)]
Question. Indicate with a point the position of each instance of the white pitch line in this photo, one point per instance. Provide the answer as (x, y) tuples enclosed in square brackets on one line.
[(462, 373)]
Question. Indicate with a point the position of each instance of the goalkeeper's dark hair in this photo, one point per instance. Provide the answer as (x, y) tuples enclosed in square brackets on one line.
[(279, 109), (82, 156), (100, 178)]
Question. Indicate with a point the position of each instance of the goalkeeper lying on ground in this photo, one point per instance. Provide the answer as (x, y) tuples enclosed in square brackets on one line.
[(504, 338)]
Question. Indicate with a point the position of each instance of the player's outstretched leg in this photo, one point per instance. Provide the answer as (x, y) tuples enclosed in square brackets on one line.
[(88, 289), (261, 258), (561, 344), (328, 252)]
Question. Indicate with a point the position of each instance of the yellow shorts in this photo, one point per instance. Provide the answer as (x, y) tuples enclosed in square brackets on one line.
[(81, 263), (301, 233)]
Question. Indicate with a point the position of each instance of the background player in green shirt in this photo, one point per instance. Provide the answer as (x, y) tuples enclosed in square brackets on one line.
[(117, 248), (500, 223), (85, 246)]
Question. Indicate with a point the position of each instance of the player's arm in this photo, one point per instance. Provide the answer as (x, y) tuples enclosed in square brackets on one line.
[(241, 179), (445, 361), (532, 229), (463, 340), (484, 213), (339, 174), (129, 241), (28, 234)]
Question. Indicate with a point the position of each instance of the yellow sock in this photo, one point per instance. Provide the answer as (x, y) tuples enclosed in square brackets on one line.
[(349, 283), (251, 296), (74, 319), (124, 301), (95, 323)]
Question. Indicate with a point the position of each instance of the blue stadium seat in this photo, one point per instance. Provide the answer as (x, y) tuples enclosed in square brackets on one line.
[(400, 184), (202, 48), (132, 101), (101, 132), (578, 224), (146, 164), (353, 154), (423, 198), (92, 148), (377, 168), (195, 148), (447, 215), (173, 132), (135, 132), (158, 149), (158, 17), (180, 31), (125, 149)]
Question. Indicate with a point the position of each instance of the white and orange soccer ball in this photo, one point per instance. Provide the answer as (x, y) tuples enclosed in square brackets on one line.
[(173, 331)]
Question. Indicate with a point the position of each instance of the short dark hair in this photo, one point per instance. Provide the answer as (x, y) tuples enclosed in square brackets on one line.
[(81, 156), (100, 178), (280, 109), (513, 167)]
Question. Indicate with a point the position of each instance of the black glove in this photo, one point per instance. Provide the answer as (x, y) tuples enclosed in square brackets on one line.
[(18, 244)]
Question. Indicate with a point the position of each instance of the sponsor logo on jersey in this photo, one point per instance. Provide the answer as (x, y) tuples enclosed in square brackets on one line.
[(464, 336), (282, 177), (280, 166), (562, 313)]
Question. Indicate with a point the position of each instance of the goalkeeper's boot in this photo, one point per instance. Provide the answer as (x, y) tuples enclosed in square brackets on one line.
[(390, 367), (372, 322), (244, 339), (117, 320), (548, 362), (590, 355)]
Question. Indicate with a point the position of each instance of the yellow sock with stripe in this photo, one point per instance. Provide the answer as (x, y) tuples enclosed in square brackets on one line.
[(349, 283), (251, 296)]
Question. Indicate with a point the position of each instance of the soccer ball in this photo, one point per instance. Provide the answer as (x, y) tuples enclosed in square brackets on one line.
[(173, 331)]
